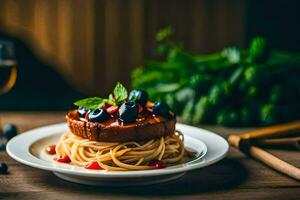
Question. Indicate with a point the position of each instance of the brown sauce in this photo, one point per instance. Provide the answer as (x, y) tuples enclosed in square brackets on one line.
[(143, 117)]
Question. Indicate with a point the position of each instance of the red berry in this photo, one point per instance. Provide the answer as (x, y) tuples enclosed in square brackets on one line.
[(112, 110), (87, 116), (51, 149), (140, 108), (158, 164), (106, 105), (63, 159), (150, 110), (93, 165)]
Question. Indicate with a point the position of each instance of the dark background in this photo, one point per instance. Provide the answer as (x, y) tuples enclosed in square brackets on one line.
[(278, 21), (40, 86)]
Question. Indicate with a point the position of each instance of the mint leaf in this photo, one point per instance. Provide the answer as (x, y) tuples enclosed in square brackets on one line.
[(120, 93), (111, 100), (117, 97), (91, 103)]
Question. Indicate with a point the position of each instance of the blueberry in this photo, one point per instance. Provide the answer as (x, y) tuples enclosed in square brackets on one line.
[(10, 130), (98, 115), (82, 111), (128, 111), (3, 168), (3, 142), (161, 109), (138, 96)]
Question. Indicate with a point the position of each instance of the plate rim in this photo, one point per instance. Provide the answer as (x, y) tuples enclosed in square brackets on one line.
[(54, 128)]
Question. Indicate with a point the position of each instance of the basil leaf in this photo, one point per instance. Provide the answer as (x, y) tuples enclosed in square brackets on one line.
[(91, 103), (120, 93)]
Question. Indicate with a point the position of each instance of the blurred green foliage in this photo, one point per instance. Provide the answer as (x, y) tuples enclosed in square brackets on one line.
[(233, 87)]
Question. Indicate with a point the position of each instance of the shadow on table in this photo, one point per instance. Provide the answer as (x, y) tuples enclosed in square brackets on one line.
[(224, 175)]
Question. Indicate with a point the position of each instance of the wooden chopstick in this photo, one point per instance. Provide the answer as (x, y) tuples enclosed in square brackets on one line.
[(274, 162), (290, 142), (281, 130), (243, 142)]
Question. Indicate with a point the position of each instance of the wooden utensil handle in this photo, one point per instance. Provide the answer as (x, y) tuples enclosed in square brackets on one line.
[(273, 131), (245, 146), (292, 142), (243, 142), (275, 162)]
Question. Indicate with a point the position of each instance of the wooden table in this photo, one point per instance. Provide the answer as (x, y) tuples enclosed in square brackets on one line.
[(235, 177)]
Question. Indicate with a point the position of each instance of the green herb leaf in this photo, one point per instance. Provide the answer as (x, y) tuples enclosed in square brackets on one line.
[(253, 86), (91, 103), (259, 49), (164, 33), (232, 54), (111, 100), (120, 93)]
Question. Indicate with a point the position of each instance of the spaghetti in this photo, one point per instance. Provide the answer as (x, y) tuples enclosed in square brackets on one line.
[(122, 156)]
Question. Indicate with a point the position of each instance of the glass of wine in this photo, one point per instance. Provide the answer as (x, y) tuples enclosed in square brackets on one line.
[(8, 77), (8, 66)]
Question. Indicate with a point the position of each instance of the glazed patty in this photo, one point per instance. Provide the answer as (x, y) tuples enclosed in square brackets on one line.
[(147, 127)]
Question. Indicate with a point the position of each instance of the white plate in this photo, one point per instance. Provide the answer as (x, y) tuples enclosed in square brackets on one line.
[(29, 148)]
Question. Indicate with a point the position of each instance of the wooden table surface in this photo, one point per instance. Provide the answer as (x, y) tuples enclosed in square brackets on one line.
[(235, 177)]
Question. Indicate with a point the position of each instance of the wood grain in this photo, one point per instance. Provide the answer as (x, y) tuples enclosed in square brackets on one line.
[(236, 177), (93, 44)]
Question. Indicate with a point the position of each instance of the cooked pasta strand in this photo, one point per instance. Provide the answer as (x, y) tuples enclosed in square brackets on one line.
[(122, 156)]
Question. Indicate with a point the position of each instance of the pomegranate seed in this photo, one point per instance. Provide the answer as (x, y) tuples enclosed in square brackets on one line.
[(63, 159), (86, 116), (158, 164), (112, 109), (140, 108), (93, 165), (51, 149), (150, 110)]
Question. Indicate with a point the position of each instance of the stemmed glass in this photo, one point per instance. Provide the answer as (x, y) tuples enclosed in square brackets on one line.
[(8, 66), (8, 77)]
